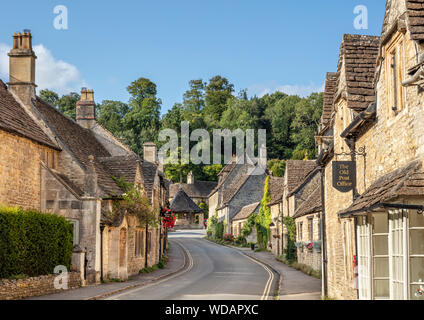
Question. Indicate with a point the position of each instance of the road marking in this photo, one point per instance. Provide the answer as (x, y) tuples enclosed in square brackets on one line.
[(190, 266), (271, 274), (270, 279)]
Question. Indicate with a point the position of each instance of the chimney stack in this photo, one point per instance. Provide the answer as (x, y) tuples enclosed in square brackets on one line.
[(150, 152), (22, 67), (86, 109)]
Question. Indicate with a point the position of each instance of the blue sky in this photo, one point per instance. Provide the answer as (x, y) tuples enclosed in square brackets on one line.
[(259, 45)]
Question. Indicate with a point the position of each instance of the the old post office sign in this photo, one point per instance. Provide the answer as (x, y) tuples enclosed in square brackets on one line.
[(344, 175)]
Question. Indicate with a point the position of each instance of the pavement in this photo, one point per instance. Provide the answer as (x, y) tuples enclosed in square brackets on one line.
[(294, 284), (177, 261), (198, 269), (214, 272)]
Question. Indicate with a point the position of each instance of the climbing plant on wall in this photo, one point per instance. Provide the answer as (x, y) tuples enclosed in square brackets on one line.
[(291, 252), (263, 219)]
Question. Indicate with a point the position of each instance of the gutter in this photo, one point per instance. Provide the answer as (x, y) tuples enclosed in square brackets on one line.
[(323, 235), (381, 205)]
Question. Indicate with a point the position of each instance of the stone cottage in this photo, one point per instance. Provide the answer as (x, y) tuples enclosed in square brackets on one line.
[(352, 94), (241, 218), (69, 168), (296, 171), (307, 218), (386, 139), (276, 190), (240, 183), (198, 191), (187, 212)]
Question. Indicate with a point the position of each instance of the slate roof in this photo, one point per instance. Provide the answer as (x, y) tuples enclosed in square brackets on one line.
[(296, 171), (149, 172), (312, 204), (276, 188), (182, 203), (231, 191), (223, 175), (199, 189), (246, 211), (82, 143), (415, 11), (14, 119), (359, 53), (329, 92), (122, 167), (406, 181)]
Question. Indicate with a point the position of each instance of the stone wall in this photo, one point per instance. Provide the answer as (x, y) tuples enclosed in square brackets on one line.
[(20, 171), (312, 257), (34, 287)]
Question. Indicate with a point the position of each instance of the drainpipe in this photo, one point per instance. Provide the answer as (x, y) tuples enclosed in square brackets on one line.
[(147, 245), (102, 228), (323, 235)]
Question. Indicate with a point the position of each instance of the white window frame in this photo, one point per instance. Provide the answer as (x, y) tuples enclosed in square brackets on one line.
[(364, 259), (410, 282), (399, 227)]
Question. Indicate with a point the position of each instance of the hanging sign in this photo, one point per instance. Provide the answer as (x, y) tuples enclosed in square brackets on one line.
[(344, 175)]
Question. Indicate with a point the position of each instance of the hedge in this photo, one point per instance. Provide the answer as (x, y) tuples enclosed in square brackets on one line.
[(33, 243)]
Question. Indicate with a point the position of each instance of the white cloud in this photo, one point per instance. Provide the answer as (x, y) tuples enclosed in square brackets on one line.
[(53, 74), (301, 90)]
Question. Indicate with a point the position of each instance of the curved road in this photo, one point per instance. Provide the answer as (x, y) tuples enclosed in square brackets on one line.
[(212, 272)]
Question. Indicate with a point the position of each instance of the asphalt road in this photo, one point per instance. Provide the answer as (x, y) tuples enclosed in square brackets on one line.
[(212, 272)]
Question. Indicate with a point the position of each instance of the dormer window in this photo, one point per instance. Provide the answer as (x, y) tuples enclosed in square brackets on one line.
[(394, 73)]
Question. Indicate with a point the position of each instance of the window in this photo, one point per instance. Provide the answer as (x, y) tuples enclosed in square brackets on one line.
[(416, 256), (394, 73), (300, 231), (139, 243), (380, 253), (311, 229), (397, 255), (364, 259)]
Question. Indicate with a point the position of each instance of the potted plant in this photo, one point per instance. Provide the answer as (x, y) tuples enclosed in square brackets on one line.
[(310, 246), (252, 246)]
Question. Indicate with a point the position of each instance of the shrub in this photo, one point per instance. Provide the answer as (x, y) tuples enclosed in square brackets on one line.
[(228, 237), (240, 240), (33, 243)]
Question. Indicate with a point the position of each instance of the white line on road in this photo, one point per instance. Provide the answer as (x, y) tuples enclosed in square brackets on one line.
[(190, 266)]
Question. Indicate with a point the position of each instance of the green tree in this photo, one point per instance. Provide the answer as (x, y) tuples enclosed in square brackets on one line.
[(67, 104), (111, 114), (305, 123), (278, 167), (217, 93), (142, 122), (51, 97), (263, 219)]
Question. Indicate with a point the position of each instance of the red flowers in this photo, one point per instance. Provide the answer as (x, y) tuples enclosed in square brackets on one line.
[(168, 218)]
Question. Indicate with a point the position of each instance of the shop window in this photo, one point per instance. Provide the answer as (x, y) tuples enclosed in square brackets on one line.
[(364, 259), (397, 255), (380, 253), (416, 256)]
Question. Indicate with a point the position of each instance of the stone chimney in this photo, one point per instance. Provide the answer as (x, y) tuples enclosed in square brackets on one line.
[(86, 109), (22, 67), (190, 178), (150, 151)]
